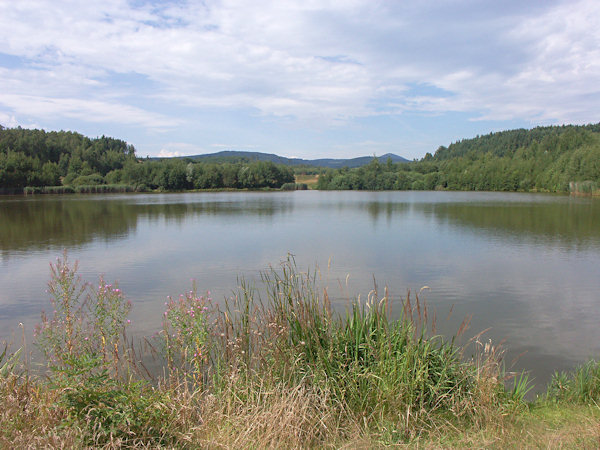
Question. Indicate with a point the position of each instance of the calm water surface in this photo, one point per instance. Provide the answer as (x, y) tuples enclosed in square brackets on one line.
[(526, 266)]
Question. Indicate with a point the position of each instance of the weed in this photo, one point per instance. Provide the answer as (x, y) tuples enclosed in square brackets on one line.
[(185, 335)]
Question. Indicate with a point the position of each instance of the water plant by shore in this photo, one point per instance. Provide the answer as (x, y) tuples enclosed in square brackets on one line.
[(281, 370)]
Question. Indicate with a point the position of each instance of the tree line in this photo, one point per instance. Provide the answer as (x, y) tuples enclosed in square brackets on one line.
[(36, 158), (549, 159)]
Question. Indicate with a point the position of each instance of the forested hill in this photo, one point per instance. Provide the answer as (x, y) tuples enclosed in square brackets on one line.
[(70, 162), (40, 158), (506, 143), (554, 159), (332, 163)]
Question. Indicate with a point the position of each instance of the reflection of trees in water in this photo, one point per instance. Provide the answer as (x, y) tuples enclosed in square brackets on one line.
[(181, 211), (569, 223), (36, 224), (389, 209), (65, 222)]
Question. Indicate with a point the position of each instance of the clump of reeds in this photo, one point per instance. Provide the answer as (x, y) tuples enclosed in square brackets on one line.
[(81, 189), (580, 386), (382, 370)]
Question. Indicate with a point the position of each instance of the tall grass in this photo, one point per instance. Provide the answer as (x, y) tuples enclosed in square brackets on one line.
[(381, 370), (580, 386)]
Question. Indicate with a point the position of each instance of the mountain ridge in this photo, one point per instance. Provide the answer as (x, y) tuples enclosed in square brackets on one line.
[(332, 163)]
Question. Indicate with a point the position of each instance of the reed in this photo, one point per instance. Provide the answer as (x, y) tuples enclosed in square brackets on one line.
[(82, 189), (580, 386)]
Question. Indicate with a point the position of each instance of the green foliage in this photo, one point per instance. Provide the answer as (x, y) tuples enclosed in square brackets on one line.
[(37, 158), (376, 366), (86, 326), (129, 413), (8, 362), (84, 345), (581, 386), (176, 174), (521, 386), (286, 364), (542, 159), (88, 180), (185, 332)]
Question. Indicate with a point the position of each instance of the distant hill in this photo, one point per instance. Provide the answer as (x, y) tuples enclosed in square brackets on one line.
[(332, 163)]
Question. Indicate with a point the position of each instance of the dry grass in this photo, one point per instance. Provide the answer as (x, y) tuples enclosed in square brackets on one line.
[(30, 417), (279, 417), (310, 180)]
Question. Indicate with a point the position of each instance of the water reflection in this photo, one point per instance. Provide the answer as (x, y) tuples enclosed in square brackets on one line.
[(65, 222), (59, 222), (572, 224)]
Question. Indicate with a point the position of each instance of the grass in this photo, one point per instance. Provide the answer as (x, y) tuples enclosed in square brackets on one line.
[(310, 180), (278, 371)]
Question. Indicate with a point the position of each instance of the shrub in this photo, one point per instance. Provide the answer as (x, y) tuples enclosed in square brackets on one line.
[(88, 180), (288, 187)]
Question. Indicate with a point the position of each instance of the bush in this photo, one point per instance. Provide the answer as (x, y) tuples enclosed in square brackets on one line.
[(288, 187), (88, 180)]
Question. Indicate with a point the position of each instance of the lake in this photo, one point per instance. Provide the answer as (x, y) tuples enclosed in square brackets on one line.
[(526, 266)]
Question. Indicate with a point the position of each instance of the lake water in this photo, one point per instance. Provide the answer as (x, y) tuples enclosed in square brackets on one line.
[(527, 266)]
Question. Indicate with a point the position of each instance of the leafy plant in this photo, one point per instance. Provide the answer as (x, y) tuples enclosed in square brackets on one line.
[(8, 362), (86, 325), (185, 334), (580, 386)]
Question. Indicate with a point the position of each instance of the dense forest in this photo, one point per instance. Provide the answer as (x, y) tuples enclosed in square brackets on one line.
[(36, 158), (549, 159)]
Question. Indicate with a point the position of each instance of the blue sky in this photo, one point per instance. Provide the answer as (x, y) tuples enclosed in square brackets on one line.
[(311, 78)]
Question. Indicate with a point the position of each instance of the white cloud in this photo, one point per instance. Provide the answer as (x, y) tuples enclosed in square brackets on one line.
[(319, 64), (8, 121), (90, 110), (180, 149), (168, 153)]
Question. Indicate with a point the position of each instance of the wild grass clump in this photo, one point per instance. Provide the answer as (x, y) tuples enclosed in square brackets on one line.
[(584, 188), (294, 187), (102, 188), (48, 190), (382, 370), (580, 386)]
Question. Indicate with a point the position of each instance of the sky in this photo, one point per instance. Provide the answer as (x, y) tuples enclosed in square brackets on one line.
[(309, 79)]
